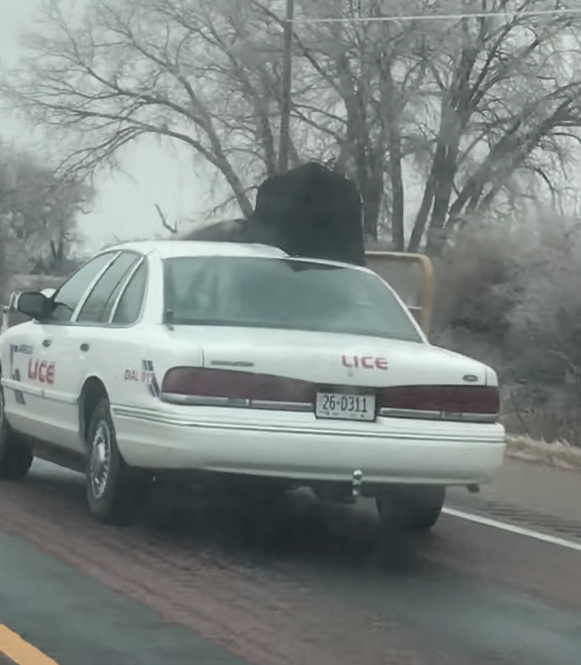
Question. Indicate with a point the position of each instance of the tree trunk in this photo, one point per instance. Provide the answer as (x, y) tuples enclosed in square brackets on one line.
[(237, 187), (371, 207), (442, 195), (397, 193), (426, 204)]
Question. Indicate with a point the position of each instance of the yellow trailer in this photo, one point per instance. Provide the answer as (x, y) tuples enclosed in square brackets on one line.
[(412, 276)]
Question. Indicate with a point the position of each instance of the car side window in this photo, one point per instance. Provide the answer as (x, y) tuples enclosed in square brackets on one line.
[(100, 302), (131, 302), (69, 295)]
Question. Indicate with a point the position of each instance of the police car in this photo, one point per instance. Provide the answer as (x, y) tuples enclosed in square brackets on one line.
[(213, 360)]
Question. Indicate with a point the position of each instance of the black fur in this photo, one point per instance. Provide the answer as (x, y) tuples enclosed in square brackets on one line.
[(309, 211)]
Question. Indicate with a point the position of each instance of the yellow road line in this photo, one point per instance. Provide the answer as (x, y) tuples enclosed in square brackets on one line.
[(20, 651)]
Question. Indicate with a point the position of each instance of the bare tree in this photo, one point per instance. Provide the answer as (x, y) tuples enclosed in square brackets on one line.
[(373, 79), (39, 214), (178, 70), (483, 109), (505, 94), (209, 75)]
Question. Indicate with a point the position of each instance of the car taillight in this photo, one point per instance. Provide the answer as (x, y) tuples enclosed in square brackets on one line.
[(237, 386), (460, 400)]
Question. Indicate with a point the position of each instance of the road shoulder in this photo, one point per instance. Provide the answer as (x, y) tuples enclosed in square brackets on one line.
[(539, 495)]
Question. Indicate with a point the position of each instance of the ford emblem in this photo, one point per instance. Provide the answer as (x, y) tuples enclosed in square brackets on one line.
[(470, 378)]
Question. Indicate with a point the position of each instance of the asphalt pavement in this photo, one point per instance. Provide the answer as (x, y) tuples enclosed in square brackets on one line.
[(78, 621), (211, 581)]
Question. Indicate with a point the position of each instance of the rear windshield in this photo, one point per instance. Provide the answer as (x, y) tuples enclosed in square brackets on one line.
[(283, 293)]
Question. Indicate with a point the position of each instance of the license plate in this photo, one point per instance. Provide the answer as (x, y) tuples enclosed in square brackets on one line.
[(344, 406)]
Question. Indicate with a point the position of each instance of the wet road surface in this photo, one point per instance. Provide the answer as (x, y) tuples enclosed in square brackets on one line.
[(296, 582)]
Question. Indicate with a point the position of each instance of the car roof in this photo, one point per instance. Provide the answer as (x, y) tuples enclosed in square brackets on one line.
[(167, 249)]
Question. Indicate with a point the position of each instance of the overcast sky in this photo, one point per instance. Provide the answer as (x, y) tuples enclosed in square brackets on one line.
[(125, 206)]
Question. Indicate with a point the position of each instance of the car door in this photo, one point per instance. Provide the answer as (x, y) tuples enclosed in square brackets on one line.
[(73, 348), (120, 349), (52, 360)]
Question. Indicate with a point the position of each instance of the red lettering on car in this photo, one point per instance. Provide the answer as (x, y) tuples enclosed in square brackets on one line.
[(367, 362), (345, 361), (381, 363), (42, 371)]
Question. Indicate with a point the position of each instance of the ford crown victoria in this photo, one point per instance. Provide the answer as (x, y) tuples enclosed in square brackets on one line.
[(207, 360)]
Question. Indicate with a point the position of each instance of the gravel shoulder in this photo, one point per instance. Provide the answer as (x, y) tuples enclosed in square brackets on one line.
[(550, 496)]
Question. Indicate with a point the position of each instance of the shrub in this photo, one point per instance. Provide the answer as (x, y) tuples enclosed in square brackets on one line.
[(510, 296)]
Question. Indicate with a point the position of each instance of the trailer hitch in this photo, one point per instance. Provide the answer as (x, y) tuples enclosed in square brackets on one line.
[(356, 483)]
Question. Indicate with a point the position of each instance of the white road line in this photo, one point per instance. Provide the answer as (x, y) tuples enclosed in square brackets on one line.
[(518, 530)]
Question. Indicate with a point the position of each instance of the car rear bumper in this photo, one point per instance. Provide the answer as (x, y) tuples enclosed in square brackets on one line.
[(299, 447)]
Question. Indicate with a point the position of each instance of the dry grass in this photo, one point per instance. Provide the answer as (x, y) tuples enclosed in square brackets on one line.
[(557, 455)]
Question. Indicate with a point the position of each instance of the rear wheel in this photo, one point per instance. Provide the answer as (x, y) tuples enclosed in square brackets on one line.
[(410, 507), (15, 455), (115, 492)]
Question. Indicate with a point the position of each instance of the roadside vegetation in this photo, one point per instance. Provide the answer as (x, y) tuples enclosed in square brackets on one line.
[(461, 134), (510, 296), (39, 210)]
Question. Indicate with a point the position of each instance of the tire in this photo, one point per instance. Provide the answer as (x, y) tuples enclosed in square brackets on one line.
[(410, 507), (15, 455), (115, 492)]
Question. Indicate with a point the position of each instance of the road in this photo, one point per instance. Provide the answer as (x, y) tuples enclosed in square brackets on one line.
[(300, 582)]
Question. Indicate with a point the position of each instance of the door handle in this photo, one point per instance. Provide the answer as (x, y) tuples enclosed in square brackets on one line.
[(47, 342), (85, 346)]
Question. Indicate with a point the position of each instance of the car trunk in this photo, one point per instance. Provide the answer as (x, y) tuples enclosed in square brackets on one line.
[(330, 358), (335, 376)]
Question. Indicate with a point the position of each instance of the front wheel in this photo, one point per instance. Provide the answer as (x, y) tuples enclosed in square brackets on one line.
[(15, 456), (410, 507), (115, 492)]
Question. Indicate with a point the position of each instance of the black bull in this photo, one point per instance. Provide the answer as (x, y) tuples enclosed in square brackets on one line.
[(309, 211)]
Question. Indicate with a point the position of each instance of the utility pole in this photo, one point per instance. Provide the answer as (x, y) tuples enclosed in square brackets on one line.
[(286, 92)]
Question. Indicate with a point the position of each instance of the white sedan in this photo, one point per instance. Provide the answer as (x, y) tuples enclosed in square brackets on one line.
[(201, 361)]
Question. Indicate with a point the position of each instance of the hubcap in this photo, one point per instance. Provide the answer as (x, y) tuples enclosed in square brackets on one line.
[(100, 460)]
